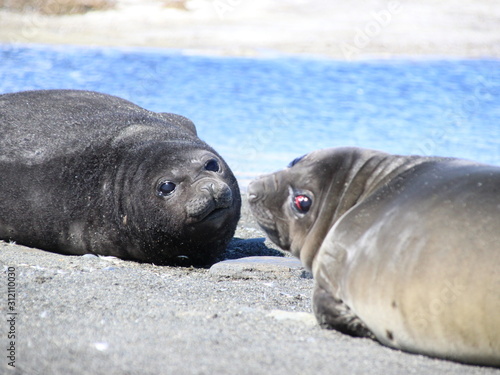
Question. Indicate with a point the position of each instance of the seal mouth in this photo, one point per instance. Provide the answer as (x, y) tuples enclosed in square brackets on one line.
[(214, 214)]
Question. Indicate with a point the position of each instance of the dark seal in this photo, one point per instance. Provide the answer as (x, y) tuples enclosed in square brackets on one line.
[(84, 172), (403, 249)]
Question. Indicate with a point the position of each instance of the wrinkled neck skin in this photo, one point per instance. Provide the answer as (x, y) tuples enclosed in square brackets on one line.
[(125, 194), (98, 216), (357, 176)]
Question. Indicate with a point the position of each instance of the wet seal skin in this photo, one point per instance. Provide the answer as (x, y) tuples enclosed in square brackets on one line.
[(84, 172), (403, 249)]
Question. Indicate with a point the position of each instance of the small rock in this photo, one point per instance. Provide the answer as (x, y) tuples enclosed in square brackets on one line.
[(101, 346), (258, 267), (89, 256), (303, 317), (110, 258)]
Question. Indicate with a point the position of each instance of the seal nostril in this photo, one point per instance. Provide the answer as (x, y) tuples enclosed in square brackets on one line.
[(252, 197), (253, 189), (217, 195), (224, 196), (210, 188)]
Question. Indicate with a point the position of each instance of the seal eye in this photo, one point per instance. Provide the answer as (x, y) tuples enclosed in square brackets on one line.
[(302, 203), (166, 188), (212, 165)]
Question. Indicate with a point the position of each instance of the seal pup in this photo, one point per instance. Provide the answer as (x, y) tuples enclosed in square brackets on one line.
[(403, 249), (84, 172)]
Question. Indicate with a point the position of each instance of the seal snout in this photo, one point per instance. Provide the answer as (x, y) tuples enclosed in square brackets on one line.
[(253, 192), (252, 198), (257, 188), (256, 198), (212, 199), (221, 194)]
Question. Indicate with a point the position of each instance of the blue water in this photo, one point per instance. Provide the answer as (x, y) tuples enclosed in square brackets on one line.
[(260, 113)]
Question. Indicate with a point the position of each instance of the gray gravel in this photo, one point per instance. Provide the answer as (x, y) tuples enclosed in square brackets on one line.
[(102, 315)]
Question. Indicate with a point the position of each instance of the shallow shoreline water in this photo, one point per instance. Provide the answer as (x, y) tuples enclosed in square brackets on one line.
[(260, 113)]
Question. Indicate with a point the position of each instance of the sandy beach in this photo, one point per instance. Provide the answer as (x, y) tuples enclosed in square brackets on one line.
[(101, 315), (343, 30), (252, 315)]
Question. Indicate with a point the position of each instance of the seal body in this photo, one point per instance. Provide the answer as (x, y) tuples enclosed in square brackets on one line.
[(404, 249), (83, 172)]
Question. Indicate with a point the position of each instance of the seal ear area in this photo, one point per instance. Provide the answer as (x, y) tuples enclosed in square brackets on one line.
[(295, 161), (180, 121)]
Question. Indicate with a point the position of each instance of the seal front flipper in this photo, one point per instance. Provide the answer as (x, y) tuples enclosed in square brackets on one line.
[(180, 121), (333, 313)]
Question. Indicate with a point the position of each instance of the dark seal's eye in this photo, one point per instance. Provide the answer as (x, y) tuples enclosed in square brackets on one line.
[(212, 165), (166, 188), (295, 161), (302, 203)]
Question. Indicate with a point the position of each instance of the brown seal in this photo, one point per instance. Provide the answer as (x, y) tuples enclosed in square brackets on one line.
[(404, 249)]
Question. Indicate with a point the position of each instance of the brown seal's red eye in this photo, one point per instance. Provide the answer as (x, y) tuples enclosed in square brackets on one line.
[(302, 203)]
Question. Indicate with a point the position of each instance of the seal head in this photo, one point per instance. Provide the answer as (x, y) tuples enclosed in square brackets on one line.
[(297, 206), (193, 206)]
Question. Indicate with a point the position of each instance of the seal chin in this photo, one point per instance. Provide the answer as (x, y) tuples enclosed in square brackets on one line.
[(277, 239), (275, 235), (259, 198)]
